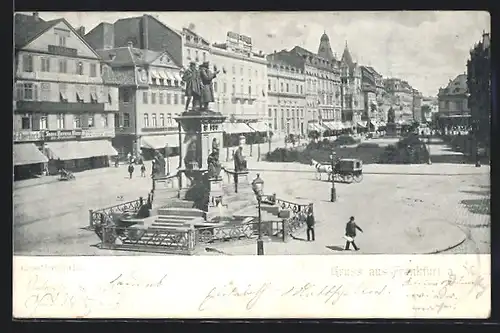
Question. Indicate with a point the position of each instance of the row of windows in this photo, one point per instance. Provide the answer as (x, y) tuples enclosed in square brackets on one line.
[(49, 64), (242, 71), (31, 92), (40, 122), (300, 112), (295, 121), (285, 87), (154, 122), (196, 55), (160, 98)]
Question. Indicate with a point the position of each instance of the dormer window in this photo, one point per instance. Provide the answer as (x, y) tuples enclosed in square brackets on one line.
[(79, 97)]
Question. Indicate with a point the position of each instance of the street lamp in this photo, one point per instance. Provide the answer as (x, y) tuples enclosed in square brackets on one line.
[(258, 189), (333, 193)]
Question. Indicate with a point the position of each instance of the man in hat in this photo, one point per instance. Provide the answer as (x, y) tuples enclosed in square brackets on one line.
[(350, 233), (207, 90), (193, 84)]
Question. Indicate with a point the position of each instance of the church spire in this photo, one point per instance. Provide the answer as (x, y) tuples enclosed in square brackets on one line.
[(346, 56), (324, 49)]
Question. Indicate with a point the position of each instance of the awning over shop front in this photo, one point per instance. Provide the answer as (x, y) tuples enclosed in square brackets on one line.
[(72, 150), (237, 128), (177, 77), (154, 74), (311, 127), (27, 153), (259, 126), (160, 141), (339, 125), (162, 74), (170, 76), (362, 123), (347, 124), (329, 125)]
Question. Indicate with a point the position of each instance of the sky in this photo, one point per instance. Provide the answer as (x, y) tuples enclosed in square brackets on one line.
[(425, 48)]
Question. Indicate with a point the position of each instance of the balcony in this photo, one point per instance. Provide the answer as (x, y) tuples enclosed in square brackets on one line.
[(98, 133), (58, 107), (244, 96), (27, 136)]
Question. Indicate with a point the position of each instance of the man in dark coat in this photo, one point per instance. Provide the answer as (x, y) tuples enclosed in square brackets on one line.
[(350, 233), (193, 84), (207, 90), (310, 225)]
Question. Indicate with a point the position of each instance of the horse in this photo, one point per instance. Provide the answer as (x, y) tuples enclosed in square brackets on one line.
[(322, 168)]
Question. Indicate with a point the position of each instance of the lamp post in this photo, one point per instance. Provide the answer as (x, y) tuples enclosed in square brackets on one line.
[(258, 187), (429, 148), (333, 193)]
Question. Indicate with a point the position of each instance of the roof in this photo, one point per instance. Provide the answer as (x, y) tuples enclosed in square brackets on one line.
[(457, 86), (129, 56), (28, 27), (287, 58), (346, 57), (191, 32)]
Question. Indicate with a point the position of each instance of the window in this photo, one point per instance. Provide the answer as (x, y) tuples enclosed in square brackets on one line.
[(241, 70), (301, 90), (188, 51), (169, 98), (196, 55), (90, 121), (93, 70), (249, 72), (43, 121), (287, 88), (125, 95), (204, 56), (45, 91), (77, 121), (249, 90), (117, 120), (79, 68), (162, 120), (63, 66), (161, 98), (45, 64), (274, 86), (234, 69), (281, 86), (215, 86), (153, 98), (27, 63), (224, 87), (105, 122), (110, 100), (169, 119), (242, 89), (176, 99), (60, 121), (153, 120), (297, 88), (93, 94), (287, 113), (233, 89), (62, 41), (26, 122), (146, 120), (29, 92), (269, 84), (145, 97), (126, 120)]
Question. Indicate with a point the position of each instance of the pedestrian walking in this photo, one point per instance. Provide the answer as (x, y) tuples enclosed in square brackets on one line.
[(143, 170), (310, 225), (130, 170), (350, 233)]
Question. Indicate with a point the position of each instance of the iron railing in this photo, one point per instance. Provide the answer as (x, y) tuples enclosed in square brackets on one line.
[(234, 232), (103, 215)]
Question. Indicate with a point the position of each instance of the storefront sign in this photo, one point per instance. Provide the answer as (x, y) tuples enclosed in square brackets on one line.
[(62, 134), (63, 51)]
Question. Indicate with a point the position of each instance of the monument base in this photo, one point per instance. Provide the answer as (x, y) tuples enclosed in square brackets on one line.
[(392, 130)]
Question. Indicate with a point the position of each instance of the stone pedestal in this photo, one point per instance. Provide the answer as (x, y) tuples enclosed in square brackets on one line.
[(393, 129), (197, 130)]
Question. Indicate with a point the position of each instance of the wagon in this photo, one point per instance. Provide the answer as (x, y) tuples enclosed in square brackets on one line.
[(348, 170)]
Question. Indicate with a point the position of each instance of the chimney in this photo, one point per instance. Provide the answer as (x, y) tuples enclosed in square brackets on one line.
[(81, 31), (36, 16), (144, 35)]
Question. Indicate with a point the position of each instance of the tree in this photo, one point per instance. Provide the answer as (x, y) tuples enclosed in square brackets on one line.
[(314, 135)]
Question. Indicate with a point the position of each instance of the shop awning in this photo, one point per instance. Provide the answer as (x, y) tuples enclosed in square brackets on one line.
[(177, 77), (339, 125), (329, 125), (72, 150), (320, 128), (160, 141), (170, 76), (27, 153), (237, 128), (259, 126), (347, 124), (162, 75), (311, 127), (154, 74), (362, 123)]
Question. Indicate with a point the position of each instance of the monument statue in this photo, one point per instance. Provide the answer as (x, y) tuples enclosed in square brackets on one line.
[(207, 90), (391, 116), (159, 164), (240, 163), (214, 166), (191, 77), (190, 159)]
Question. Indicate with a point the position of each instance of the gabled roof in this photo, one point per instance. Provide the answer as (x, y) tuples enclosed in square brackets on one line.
[(191, 32), (301, 50), (457, 86), (27, 28), (130, 56)]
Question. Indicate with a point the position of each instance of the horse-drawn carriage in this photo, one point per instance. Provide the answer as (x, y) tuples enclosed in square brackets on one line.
[(345, 170), (66, 175)]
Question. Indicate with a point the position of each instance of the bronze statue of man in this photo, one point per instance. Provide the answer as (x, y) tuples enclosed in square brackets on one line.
[(240, 163), (214, 166), (191, 77), (207, 90)]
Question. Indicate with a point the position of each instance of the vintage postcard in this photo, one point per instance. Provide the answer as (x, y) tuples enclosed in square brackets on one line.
[(252, 165)]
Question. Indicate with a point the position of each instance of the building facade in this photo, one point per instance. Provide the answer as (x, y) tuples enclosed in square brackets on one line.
[(400, 94), (194, 48), (417, 106), (286, 93), (453, 103), (479, 87), (352, 94), (373, 96), (65, 100)]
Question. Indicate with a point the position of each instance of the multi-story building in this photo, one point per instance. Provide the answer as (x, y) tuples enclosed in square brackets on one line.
[(352, 95), (479, 87), (240, 88), (374, 91), (65, 100), (150, 83), (194, 48), (401, 95), (453, 103), (417, 106), (286, 93)]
